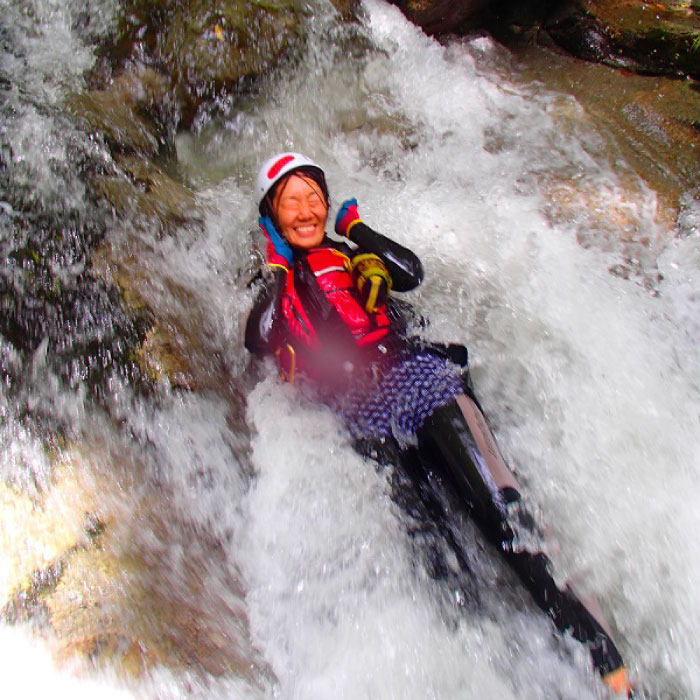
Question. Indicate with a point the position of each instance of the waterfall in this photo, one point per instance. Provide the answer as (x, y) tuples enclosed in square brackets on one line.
[(271, 556)]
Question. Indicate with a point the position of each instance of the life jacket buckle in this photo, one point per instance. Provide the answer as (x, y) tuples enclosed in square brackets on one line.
[(287, 363)]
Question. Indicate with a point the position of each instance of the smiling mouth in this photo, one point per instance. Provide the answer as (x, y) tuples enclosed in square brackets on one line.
[(305, 230)]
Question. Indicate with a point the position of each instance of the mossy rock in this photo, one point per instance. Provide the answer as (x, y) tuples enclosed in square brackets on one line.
[(220, 42), (654, 38), (104, 587), (205, 47), (122, 111), (145, 190)]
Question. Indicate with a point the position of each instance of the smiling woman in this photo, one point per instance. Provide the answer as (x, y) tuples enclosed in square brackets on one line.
[(301, 211), (325, 313), (294, 200)]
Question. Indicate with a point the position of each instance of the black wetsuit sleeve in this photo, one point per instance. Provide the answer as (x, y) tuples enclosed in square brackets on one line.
[(404, 265), (264, 325)]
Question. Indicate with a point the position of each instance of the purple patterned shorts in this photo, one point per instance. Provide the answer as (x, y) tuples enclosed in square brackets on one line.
[(397, 401)]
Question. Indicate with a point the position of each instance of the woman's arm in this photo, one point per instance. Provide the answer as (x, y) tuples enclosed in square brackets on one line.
[(264, 322), (404, 265)]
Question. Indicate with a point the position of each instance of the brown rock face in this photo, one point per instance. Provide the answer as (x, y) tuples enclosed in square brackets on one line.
[(437, 17), (91, 561), (201, 48), (659, 38)]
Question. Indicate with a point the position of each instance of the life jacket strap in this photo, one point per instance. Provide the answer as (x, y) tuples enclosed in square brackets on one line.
[(287, 362)]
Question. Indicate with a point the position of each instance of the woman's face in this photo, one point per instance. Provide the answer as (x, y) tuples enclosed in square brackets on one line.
[(301, 211)]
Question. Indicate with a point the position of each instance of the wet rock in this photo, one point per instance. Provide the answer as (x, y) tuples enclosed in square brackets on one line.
[(439, 17), (661, 38), (108, 607), (655, 120), (204, 47), (652, 121), (104, 569), (123, 112), (648, 138), (179, 346), (36, 532), (611, 219), (658, 38), (349, 10), (161, 357), (669, 118), (145, 190)]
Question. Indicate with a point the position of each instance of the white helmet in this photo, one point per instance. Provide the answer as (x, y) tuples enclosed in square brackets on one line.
[(276, 167)]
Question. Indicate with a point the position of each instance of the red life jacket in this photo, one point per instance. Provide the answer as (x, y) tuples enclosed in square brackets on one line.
[(333, 272)]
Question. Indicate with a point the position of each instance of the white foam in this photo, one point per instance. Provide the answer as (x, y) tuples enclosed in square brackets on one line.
[(28, 671), (590, 379), (339, 606)]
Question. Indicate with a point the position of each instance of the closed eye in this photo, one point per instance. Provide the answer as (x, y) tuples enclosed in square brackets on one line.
[(294, 202)]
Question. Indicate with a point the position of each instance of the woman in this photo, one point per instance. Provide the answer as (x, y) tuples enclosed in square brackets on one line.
[(327, 316)]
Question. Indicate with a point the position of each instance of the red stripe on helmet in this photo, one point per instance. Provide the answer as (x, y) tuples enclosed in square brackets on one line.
[(272, 172)]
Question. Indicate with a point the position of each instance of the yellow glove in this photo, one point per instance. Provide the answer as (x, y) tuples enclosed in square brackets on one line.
[(372, 280)]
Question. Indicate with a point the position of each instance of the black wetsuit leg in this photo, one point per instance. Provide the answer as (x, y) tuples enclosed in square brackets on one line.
[(446, 442)]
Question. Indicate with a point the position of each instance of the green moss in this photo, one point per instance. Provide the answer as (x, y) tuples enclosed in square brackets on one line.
[(211, 44), (113, 112)]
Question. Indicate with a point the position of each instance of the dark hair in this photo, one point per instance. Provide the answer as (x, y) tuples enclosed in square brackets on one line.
[(315, 174)]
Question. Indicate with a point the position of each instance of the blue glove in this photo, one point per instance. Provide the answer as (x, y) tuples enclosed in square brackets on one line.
[(347, 217), (279, 246)]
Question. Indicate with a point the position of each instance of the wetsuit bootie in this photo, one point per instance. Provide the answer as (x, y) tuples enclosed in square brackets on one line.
[(618, 681)]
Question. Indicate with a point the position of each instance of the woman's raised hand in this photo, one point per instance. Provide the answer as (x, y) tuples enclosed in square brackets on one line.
[(347, 217), (278, 250)]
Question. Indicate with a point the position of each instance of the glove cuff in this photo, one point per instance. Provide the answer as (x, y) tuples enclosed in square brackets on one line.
[(348, 228), (344, 225), (347, 218), (277, 246), (369, 265)]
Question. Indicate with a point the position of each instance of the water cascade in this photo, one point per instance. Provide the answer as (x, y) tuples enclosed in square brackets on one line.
[(220, 538)]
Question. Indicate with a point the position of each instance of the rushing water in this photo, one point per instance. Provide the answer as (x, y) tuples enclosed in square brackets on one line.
[(512, 199)]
